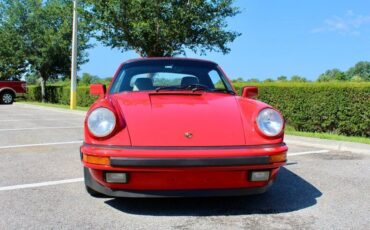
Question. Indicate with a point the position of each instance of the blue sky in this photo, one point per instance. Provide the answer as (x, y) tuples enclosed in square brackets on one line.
[(284, 37)]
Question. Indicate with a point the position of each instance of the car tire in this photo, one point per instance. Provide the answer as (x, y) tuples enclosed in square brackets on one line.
[(94, 193), (7, 97)]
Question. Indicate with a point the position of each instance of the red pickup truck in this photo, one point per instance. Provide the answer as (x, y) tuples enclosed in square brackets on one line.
[(9, 89)]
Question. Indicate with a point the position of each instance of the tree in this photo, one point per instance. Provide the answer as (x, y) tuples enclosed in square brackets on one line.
[(12, 61), (88, 79), (106, 80), (282, 78), (268, 80), (46, 30), (239, 79), (31, 78), (361, 69), (163, 28), (12, 57), (253, 80), (297, 78), (332, 75), (357, 78)]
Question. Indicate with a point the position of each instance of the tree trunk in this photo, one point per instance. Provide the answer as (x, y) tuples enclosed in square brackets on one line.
[(43, 86)]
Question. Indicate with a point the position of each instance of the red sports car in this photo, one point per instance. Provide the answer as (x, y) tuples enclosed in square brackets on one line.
[(174, 127)]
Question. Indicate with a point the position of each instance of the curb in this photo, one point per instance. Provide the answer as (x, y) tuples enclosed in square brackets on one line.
[(328, 144)]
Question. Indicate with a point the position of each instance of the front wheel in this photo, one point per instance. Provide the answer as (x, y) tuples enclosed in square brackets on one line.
[(7, 98)]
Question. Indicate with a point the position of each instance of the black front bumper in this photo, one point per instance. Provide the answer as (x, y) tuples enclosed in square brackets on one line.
[(91, 183), (189, 162)]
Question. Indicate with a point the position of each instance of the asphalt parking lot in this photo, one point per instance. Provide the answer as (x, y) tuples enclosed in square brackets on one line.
[(41, 186)]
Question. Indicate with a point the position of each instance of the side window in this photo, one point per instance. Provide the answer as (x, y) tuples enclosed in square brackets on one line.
[(216, 79), (117, 84)]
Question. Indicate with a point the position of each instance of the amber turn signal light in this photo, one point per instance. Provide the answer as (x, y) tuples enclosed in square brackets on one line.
[(96, 160), (281, 157)]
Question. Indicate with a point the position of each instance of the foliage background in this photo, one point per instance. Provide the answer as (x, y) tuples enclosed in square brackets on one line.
[(339, 108)]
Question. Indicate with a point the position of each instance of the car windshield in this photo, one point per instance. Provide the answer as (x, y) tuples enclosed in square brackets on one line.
[(158, 75)]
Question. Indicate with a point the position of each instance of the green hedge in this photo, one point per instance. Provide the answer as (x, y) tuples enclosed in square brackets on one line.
[(340, 108), (61, 95)]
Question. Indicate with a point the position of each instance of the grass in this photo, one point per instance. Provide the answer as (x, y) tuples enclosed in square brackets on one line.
[(330, 136), (53, 105), (288, 130)]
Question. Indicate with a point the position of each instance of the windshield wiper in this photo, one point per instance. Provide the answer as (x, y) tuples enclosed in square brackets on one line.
[(193, 87), (223, 91), (168, 88), (196, 87)]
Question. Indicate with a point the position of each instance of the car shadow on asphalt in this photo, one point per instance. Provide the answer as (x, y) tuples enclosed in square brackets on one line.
[(289, 193)]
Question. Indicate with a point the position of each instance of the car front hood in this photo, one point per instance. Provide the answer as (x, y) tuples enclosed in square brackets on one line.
[(181, 119)]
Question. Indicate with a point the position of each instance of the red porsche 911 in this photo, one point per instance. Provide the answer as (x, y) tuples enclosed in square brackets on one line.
[(175, 127)]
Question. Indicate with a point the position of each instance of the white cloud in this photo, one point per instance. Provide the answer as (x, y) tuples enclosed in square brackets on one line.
[(349, 24)]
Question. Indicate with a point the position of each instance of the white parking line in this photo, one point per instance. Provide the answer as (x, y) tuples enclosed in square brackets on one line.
[(41, 144), (38, 119), (308, 152), (21, 129), (48, 183), (58, 110)]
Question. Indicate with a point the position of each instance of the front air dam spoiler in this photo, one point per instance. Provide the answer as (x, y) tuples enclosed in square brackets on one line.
[(91, 183)]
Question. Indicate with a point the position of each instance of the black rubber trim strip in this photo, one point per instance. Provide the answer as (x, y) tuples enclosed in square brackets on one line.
[(188, 162), (92, 184), (184, 147)]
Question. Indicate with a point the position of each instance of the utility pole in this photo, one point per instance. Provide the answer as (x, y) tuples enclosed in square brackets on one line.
[(73, 101)]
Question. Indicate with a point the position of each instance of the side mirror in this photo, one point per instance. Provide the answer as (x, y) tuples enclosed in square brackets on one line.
[(250, 92), (98, 90)]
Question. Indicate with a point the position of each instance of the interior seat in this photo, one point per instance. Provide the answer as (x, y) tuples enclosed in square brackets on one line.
[(143, 84), (189, 80)]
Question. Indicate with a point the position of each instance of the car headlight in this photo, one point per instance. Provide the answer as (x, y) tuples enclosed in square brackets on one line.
[(101, 122), (270, 122)]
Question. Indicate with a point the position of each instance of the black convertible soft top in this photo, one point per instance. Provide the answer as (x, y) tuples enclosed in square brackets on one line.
[(169, 61)]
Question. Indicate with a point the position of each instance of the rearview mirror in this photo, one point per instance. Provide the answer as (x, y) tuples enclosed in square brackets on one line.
[(250, 92), (98, 90)]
